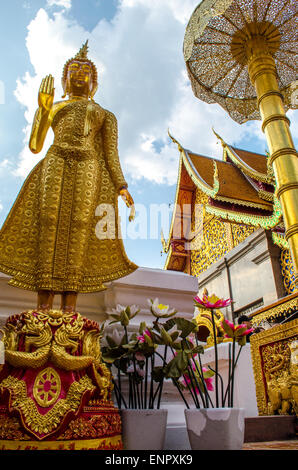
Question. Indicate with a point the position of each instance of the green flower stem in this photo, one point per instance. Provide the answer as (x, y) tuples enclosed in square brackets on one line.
[(158, 388), (201, 375), (142, 394), (162, 380), (146, 383), (151, 385), (118, 399), (197, 385), (120, 395), (190, 389), (135, 382), (228, 386), (216, 358), (175, 382), (233, 372), (221, 383), (131, 396), (231, 377)]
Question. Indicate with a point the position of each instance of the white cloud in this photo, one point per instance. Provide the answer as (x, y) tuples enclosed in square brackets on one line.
[(60, 3), (142, 79)]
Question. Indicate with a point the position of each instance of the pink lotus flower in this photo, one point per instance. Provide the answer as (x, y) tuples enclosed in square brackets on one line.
[(211, 302), (208, 380), (235, 331), (142, 338)]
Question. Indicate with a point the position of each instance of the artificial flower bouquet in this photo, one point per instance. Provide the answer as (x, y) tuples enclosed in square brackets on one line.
[(167, 350)]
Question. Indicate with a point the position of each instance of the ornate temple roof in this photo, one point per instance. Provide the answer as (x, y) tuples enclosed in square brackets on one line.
[(238, 189)]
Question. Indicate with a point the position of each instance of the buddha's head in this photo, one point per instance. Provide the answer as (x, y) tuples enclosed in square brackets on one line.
[(80, 75)]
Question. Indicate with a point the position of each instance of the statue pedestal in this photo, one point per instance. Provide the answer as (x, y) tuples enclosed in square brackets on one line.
[(55, 391)]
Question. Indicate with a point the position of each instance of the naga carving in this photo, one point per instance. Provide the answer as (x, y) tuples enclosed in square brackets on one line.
[(282, 383)]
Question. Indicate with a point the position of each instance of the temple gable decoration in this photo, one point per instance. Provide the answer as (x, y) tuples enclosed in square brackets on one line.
[(218, 204)]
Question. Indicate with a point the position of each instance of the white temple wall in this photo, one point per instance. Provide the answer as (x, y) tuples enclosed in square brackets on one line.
[(254, 273)]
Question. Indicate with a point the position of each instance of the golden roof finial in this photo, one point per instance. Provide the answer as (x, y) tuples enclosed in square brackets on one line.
[(223, 143)]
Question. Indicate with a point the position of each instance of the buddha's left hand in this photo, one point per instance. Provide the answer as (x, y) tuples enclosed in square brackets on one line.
[(124, 193)]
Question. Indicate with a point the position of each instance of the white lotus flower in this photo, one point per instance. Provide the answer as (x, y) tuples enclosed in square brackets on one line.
[(159, 309)]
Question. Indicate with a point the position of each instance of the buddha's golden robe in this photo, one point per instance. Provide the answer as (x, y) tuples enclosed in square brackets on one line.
[(49, 240)]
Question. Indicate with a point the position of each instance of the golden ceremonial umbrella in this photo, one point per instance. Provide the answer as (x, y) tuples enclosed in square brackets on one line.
[(242, 54)]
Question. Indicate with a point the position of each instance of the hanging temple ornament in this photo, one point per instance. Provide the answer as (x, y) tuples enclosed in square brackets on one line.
[(242, 54), (81, 56)]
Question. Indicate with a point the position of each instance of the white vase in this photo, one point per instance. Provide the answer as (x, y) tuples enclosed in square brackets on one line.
[(215, 428), (143, 429)]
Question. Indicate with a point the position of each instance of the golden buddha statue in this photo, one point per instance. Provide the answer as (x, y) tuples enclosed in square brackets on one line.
[(48, 242)]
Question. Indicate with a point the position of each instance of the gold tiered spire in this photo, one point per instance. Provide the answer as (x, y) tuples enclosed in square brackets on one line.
[(83, 52)]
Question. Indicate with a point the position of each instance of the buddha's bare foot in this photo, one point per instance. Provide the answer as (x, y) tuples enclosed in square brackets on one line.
[(68, 301), (45, 300)]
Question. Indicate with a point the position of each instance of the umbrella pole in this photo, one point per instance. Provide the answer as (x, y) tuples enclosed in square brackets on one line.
[(276, 126)]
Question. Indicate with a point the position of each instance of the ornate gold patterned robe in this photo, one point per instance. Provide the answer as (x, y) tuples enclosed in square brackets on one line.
[(49, 240)]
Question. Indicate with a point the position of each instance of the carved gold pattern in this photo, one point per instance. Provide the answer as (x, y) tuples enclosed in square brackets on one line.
[(78, 173), (275, 312), (105, 443), (214, 238), (240, 232), (68, 332), (93, 426), (32, 419), (47, 387), (274, 358), (290, 281), (10, 428)]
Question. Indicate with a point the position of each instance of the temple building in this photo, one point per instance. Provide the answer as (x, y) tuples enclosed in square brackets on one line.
[(227, 229)]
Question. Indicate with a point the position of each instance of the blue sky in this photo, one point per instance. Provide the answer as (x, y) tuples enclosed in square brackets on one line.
[(137, 47)]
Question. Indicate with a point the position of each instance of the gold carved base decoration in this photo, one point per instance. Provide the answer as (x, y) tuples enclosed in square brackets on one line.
[(111, 443), (275, 363), (55, 391)]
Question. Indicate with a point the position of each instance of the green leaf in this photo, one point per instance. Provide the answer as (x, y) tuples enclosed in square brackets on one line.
[(111, 342), (148, 339), (174, 335), (198, 349), (228, 330), (177, 366), (241, 340), (240, 331), (185, 326), (166, 337), (124, 319), (209, 373), (157, 374), (142, 327)]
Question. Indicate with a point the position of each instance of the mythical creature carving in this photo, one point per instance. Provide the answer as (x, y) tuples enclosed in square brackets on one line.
[(282, 383)]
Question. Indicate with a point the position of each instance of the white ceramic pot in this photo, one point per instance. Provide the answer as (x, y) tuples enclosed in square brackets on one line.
[(143, 429), (215, 428)]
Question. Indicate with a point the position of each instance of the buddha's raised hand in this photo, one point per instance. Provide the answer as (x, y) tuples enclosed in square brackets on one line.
[(46, 93), (129, 202)]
